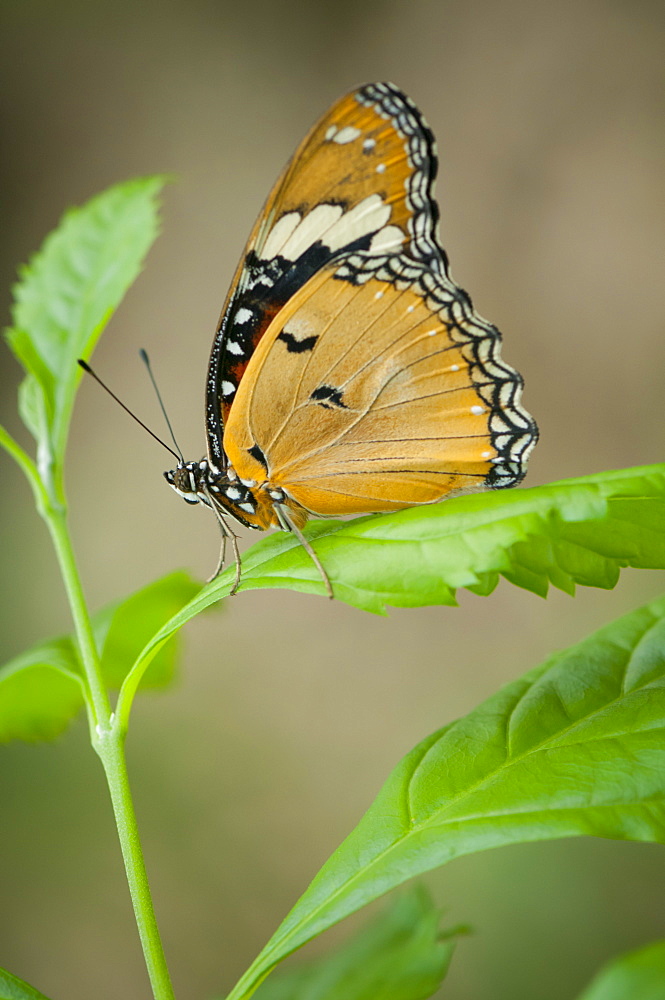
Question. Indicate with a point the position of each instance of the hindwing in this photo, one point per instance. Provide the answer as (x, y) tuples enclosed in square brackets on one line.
[(378, 387)]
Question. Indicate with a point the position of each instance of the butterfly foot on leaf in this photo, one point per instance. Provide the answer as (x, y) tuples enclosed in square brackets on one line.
[(227, 533), (236, 583), (290, 524)]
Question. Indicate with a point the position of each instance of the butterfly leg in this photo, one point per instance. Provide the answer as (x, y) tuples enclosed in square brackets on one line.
[(227, 532), (236, 554), (285, 519), (220, 562)]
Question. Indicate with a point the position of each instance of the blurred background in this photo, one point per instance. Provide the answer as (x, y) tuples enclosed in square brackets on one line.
[(290, 711)]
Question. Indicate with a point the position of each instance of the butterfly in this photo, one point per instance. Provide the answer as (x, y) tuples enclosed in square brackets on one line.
[(349, 374)]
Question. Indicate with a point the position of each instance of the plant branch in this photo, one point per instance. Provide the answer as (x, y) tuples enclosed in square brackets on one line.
[(133, 679), (98, 701), (108, 741), (27, 465), (110, 748)]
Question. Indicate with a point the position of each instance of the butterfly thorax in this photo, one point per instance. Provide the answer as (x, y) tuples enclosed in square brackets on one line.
[(253, 504)]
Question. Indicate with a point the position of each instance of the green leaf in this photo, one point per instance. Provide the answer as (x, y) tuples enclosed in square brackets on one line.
[(13, 988), (577, 746), (401, 955), (122, 629), (32, 407), (578, 531), (41, 690), (67, 293), (639, 975)]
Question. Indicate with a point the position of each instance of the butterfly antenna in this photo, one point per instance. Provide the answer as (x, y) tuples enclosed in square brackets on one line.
[(146, 361), (86, 368)]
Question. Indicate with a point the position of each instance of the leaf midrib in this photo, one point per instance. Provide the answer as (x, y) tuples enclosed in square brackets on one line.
[(508, 763), (418, 827)]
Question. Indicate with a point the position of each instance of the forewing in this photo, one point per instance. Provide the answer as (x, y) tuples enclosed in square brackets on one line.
[(378, 387), (362, 179)]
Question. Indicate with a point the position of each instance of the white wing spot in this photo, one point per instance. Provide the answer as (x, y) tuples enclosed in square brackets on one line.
[(249, 507), (248, 482), (381, 167), (233, 493), (386, 239), (330, 132), (432, 333), (279, 234), (476, 410), (345, 135), (454, 368), (369, 144), (234, 348), (243, 315), (410, 309), (486, 454), (379, 295), (368, 216), (228, 388), (313, 227)]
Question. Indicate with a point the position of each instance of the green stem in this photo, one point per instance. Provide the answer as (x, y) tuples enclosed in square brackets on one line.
[(110, 747), (107, 736), (29, 468), (107, 733), (99, 703)]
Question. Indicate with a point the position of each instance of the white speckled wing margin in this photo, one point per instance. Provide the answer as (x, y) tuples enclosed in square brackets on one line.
[(395, 106)]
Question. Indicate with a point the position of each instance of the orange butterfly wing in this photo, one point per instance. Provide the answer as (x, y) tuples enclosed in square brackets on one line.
[(361, 179), (378, 387)]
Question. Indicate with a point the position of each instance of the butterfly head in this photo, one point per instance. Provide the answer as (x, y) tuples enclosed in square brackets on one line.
[(188, 481), (197, 482)]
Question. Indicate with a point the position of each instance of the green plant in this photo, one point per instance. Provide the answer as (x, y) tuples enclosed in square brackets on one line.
[(574, 747)]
